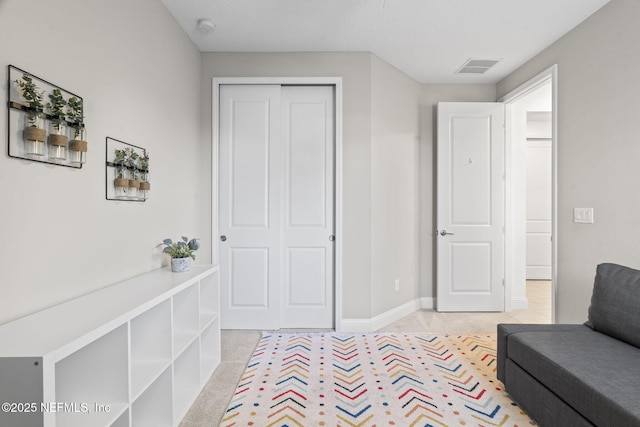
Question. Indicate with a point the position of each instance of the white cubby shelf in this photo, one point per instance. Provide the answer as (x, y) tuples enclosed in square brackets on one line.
[(133, 354)]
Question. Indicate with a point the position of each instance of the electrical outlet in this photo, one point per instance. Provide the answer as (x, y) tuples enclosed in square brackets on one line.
[(396, 285), (583, 215)]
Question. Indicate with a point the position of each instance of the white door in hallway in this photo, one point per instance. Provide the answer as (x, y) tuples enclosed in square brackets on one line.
[(470, 206), (538, 163), (276, 206)]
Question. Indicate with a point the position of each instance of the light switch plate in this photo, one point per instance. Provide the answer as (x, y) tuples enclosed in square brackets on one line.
[(583, 215)]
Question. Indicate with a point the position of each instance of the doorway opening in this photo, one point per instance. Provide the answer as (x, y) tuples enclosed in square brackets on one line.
[(531, 174)]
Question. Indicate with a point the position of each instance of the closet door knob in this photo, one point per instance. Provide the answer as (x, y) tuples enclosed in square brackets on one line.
[(223, 238)]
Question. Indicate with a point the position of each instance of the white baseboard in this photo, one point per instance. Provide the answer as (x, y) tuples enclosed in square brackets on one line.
[(386, 318), (427, 303), (356, 325), (519, 303)]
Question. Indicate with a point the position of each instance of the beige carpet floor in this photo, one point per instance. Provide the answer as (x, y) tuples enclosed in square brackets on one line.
[(237, 346)]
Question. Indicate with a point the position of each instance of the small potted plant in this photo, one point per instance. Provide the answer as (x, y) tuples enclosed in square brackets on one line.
[(181, 253), (58, 140), (132, 166), (121, 182), (78, 145), (34, 134), (145, 185)]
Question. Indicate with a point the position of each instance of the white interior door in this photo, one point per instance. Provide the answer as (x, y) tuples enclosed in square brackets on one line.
[(249, 205), (276, 206), (470, 207), (538, 241), (307, 219)]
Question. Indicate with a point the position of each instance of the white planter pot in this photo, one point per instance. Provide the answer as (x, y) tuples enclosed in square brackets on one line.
[(180, 264)]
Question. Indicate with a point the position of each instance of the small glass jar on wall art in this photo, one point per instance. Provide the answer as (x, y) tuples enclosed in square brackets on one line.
[(121, 181), (145, 185), (34, 134), (58, 140), (134, 174), (78, 145)]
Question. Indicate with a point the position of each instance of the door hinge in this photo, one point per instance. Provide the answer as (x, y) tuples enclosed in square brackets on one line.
[(503, 283)]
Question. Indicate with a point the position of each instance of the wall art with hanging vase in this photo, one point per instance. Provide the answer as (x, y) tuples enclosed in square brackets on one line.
[(45, 122), (127, 172)]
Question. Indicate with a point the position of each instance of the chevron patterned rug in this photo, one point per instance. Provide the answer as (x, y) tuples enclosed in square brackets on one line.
[(385, 379)]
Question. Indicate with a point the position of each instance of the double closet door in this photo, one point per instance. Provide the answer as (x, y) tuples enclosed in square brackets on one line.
[(276, 206)]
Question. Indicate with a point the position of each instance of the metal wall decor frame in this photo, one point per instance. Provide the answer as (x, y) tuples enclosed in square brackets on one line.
[(111, 169), (16, 110)]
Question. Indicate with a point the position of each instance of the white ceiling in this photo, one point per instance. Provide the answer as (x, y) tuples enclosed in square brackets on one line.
[(426, 39)]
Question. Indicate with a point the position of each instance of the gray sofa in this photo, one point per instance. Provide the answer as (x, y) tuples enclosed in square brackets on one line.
[(580, 375)]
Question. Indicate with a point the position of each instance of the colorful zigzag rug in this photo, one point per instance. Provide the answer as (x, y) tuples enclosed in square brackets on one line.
[(381, 379)]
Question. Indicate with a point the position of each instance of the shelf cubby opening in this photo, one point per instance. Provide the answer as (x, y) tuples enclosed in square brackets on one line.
[(150, 346), (209, 351), (95, 376), (153, 408), (209, 300), (186, 376), (185, 318)]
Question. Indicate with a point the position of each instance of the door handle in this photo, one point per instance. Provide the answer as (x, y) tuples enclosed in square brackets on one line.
[(223, 238), (444, 233)]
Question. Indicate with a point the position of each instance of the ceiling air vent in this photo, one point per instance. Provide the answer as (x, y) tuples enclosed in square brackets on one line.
[(476, 66)]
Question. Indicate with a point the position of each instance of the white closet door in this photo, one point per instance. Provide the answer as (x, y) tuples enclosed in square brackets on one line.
[(276, 206), (249, 201), (308, 144)]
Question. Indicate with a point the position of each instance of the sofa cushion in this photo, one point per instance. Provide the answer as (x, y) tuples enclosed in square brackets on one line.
[(506, 329), (595, 374), (615, 303)]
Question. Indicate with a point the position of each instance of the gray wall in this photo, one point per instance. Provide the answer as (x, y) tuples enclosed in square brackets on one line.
[(378, 171), (60, 237), (394, 183), (63, 239), (598, 147)]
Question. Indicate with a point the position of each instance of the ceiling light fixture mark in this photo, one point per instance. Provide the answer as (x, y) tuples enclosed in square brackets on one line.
[(206, 26)]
